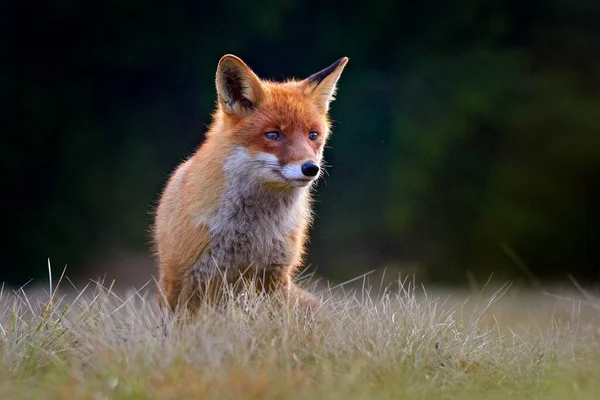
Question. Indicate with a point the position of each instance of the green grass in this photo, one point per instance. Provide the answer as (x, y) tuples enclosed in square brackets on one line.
[(397, 345)]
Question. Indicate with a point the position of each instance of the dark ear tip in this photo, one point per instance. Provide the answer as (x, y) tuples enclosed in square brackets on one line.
[(319, 76), (341, 62)]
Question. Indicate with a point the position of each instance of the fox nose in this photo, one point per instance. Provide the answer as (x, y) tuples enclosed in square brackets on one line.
[(309, 168)]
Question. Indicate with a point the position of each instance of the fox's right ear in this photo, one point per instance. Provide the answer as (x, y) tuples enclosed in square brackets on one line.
[(238, 88), (321, 87)]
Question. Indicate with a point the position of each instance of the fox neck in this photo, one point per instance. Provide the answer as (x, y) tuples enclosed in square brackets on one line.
[(252, 208)]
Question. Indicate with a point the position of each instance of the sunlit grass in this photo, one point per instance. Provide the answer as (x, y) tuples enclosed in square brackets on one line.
[(394, 344)]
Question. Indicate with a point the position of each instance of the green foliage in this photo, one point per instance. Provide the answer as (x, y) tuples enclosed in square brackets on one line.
[(459, 127)]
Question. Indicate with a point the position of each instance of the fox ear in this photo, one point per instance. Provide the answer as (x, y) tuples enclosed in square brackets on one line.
[(238, 88), (321, 87)]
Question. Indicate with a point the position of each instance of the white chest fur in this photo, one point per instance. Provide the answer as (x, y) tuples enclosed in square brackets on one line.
[(253, 224)]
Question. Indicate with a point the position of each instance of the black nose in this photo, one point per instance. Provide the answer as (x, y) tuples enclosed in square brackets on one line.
[(309, 168)]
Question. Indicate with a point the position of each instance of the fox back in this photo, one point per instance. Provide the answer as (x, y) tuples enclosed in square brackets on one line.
[(240, 207)]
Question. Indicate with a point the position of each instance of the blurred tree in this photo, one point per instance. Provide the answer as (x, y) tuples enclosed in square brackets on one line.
[(461, 129)]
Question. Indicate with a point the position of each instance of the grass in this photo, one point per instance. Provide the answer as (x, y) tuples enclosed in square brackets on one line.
[(402, 344)]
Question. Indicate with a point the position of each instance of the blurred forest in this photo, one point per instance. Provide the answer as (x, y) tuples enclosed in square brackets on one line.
[(466, 138)]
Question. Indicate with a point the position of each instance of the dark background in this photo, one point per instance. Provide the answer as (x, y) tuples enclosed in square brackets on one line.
[(466, 138)]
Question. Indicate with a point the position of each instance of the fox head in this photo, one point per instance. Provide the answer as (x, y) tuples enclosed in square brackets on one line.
[(278, 129)]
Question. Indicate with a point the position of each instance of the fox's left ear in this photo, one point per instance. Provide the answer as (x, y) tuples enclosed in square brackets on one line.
[(321, 87), (239, 89)]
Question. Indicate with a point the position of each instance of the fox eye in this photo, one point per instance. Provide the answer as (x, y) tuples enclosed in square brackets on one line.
[(274, 136), (313, 135)]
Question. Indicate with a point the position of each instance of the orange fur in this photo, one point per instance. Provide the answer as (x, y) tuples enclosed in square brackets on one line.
[(240, 178)]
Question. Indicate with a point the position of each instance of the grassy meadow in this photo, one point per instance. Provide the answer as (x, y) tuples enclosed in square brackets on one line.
[(401, 342)]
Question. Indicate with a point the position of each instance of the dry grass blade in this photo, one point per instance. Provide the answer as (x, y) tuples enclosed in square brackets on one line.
[(406, 343)]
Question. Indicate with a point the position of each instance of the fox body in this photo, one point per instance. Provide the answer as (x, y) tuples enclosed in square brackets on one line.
[(240, 207)]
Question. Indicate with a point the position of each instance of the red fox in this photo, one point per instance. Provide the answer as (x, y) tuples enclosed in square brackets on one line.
[(241, 205)]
